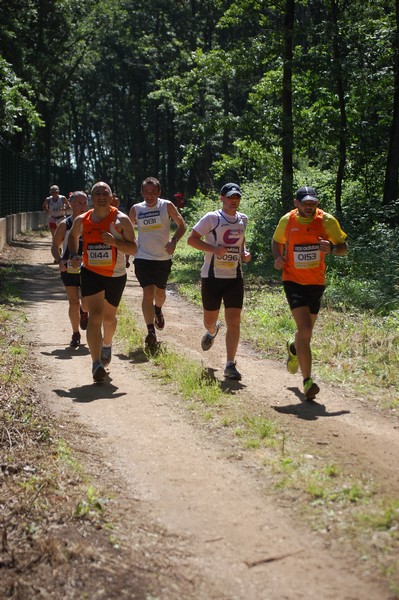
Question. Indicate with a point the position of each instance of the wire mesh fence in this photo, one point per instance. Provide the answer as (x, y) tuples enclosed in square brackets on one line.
[(25, 183)]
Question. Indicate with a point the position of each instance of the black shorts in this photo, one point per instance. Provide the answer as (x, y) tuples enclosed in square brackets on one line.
[(214, 290), (92, 283), (304, 295), (152, 272), (70, 279)]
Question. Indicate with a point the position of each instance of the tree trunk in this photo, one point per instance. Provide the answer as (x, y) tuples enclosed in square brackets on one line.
[(287, 140), (339, 84), (391, 185)]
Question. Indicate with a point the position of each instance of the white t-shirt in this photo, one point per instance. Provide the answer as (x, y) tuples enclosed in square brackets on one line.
[(220, 229)]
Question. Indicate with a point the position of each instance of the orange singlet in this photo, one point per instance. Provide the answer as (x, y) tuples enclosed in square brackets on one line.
[(304, 262), (99, 257)]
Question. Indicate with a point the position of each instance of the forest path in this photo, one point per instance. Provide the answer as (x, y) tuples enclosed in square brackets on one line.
[(215, 508)]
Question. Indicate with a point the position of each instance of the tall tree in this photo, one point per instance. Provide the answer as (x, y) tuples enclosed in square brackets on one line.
[(391, 184), (287, 132), (338, 59)]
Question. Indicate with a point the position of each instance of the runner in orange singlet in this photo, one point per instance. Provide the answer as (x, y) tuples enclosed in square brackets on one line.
[(107, 236), (300, 242)]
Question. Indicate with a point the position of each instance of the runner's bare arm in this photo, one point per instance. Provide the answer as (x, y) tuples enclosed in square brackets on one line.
[(57, 241), (278, 254), (194, 240), (174, 214), (73, 239), (328, 247), (245, 254), (128, 245), (132, 215)]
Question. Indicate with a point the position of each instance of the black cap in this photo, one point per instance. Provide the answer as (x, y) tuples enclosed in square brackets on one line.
[(229, 189), (306, 193)]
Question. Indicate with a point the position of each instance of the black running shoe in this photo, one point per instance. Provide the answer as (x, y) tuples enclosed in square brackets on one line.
[(208, 338), (230, 372), (159, 320), (84, 319), (106, 355), (75, 340), (98, 372), (151, 339)]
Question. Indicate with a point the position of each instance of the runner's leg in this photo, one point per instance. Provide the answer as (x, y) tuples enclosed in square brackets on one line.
[(305, 321), (147, 304), (159, 296), (233, 320), (110, 321), (95, 305), (210, 320), (72, 293)]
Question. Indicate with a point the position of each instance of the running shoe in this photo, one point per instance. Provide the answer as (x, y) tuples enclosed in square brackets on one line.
[(311, 389), (292, 362), (75, 340), (106, 355), (230, 372), (159, 320), (84, 319), (208, 338), (151, 340), (98, 371)]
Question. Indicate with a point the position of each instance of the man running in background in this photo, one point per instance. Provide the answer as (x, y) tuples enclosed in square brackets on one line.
[(153, 261), (71, 276), (221, 273), (300, 242), (107, 236), (56, 206)]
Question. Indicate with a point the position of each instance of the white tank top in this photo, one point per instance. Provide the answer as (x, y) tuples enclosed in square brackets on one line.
[(153, 225), (56, 208)]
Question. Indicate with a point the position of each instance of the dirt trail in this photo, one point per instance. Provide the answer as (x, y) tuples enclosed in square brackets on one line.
[(217, 509)]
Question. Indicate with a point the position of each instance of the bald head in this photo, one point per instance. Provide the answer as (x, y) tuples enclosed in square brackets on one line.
[(100, 185), (78, 202)]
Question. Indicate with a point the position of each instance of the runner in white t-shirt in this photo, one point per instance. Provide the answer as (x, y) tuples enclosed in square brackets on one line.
[(224, 247)]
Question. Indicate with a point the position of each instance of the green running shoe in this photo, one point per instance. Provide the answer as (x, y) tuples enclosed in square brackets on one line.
[(292, 362), (311, 389)]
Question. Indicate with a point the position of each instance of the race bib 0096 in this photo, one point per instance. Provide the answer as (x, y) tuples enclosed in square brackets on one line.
[(230, 259)]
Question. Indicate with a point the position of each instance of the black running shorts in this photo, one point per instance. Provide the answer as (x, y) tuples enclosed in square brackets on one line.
[(304, 295), (70, 279), (214, 290), (91, 283), (152, 272)]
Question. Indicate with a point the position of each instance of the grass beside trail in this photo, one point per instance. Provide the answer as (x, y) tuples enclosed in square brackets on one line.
[(332, 499), (350, 347)]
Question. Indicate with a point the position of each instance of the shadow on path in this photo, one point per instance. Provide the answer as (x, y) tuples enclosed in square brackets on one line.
[(309, 410), (68, 353), (91, 392)]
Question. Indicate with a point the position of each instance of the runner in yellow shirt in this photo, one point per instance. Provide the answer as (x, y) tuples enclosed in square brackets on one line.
[(301, 240)]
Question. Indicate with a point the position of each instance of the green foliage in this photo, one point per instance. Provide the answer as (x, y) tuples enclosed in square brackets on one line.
[(202, 103), (90, 506), (15, 101)]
